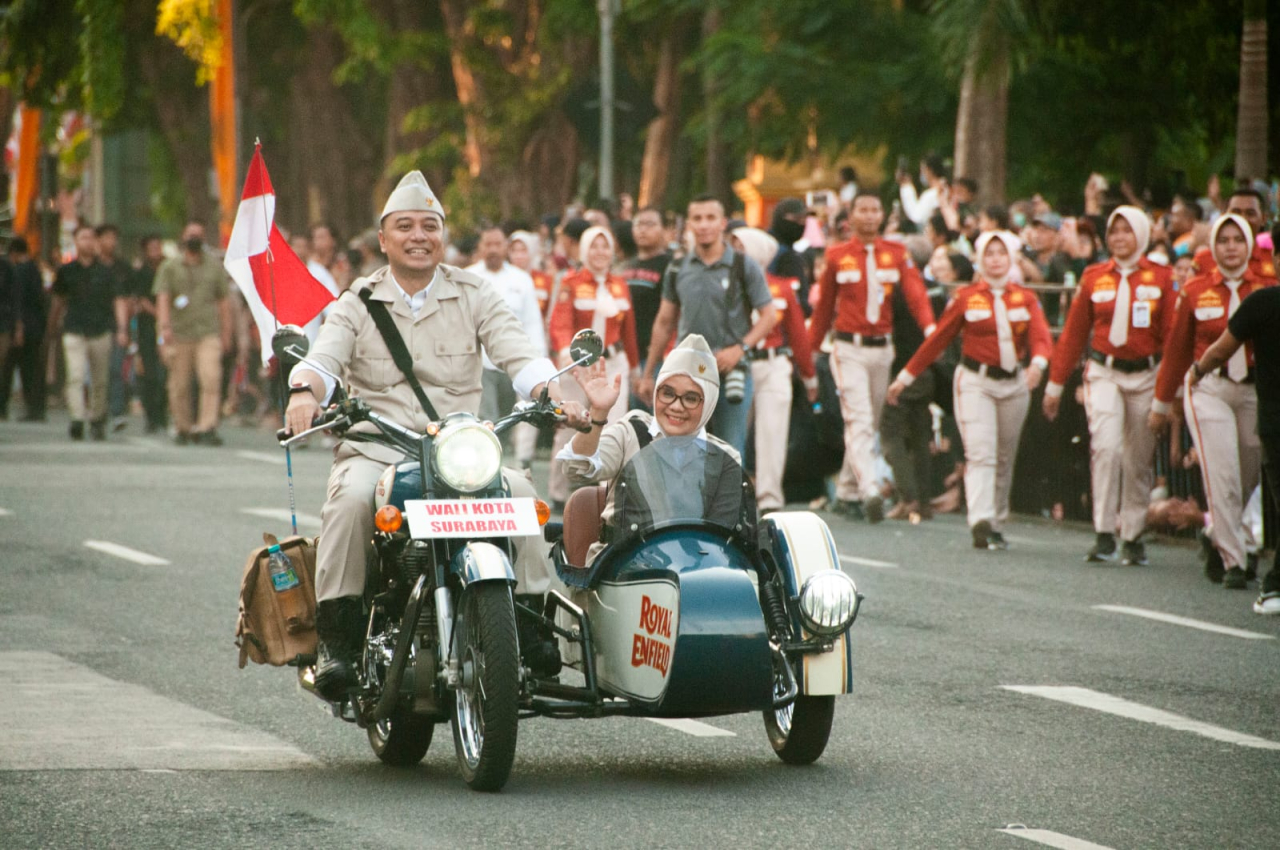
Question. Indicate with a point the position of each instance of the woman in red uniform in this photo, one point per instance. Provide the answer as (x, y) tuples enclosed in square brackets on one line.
[(1001, 325), (1222, 408), (593, 298), (525, 253)]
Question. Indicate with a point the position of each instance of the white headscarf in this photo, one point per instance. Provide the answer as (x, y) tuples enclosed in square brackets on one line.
[(694, 359), (757, 244), (589, 236), (1011, 243), (533, 243), (1248, 238), (1141, 228)]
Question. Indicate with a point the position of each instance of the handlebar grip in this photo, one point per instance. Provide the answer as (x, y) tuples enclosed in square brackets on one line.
[(282, 435)]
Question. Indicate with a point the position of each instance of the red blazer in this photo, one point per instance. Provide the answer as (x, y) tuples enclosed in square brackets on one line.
[(1199, 320), (542, 283), (1090, 317), (842, 290), (789, 329), (971, 312), (575, 309)]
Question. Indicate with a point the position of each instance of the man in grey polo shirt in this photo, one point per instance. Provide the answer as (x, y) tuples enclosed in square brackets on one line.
[(699, 295)]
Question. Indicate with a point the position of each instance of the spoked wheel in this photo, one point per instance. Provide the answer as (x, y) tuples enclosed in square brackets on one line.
[(485, 712), (798, 732), (402, 739)]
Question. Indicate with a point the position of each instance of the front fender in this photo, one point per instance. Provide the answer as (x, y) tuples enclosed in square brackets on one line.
[(482, 562)]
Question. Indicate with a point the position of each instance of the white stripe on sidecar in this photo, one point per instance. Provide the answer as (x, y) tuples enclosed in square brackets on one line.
[(693, 727)]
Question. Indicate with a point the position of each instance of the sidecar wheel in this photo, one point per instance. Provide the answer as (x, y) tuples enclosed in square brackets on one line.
[(402, 739), (485, 716), (799, 732)]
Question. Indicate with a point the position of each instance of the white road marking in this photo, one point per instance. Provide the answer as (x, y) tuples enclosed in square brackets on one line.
[(1098, 701), (56, 715), (5, 512), (1051, 839), (125, 552), (263, 457), (693, 727), (1185, 621), (282, 515), (868, 562)]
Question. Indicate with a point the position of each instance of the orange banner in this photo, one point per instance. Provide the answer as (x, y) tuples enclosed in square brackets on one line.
[(25, 221), (222, 115)]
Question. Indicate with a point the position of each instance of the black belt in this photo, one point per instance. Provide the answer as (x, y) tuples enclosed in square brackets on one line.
[(1140, 364), (1250, 377), (988, 370), (768, 353), (859, 339), (616, 348)]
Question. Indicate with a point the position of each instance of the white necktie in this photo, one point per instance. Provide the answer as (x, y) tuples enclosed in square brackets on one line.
[(1004, 333), (606, 308), (874, 293), (1120, 318), (1238, 365)]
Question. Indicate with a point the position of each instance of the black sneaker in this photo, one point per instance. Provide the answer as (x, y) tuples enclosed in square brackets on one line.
[(1213, 566), (98, 430), (847, 508), (1251, 567), (1104, 549), (1133, 554), (76, 431), (874, 508), (208, 438), (181, 438), (996, 542), (1235, 579), (981, 532)]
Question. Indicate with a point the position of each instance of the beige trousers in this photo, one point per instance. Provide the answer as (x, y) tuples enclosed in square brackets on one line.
[(87, 357), (771, 403), (862, 376), (346, 536), (1121, 447), (1222, 416), (989, 414), (204, 355)]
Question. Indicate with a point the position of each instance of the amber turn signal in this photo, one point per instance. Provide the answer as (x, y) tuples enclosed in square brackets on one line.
[(544, 511), (388, 519)]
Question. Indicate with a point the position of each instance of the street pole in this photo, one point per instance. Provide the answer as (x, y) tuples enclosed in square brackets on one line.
[(607, 9)]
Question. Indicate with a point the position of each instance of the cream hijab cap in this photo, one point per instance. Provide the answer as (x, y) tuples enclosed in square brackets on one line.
[(693, 358), (1011, 243), (758, 245), (412, 195), (589, 236), (1139, 222), (533, 243), (1244, 228)]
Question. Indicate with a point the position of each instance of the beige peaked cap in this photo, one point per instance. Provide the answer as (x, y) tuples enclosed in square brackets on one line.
[(413, 195)]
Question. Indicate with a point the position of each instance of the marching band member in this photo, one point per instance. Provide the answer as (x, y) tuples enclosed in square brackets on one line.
[(1001, 325), (1124, 309), (1222, 407)]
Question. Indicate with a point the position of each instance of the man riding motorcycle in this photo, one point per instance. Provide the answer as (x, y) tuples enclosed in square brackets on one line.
[(444, 316)]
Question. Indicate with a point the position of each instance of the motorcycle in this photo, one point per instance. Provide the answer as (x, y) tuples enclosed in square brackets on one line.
[(691, 609)]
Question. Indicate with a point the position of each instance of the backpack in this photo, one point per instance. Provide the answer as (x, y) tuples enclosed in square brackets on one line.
[(262, 632)]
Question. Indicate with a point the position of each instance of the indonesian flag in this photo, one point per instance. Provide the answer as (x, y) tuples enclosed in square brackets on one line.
[(276, 284)]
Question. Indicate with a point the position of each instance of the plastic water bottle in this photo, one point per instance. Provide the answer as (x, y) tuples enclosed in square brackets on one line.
[(1069, 279), (284, 580)]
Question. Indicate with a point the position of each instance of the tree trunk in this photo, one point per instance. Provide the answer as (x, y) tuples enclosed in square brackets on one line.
[(470, 92), (717, 153), (1251, 119), (661, 137), (8, 103), (182, 114), (982, 122), (410, 86)]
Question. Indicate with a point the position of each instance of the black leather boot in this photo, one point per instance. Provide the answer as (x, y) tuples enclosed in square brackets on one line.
[(538, 645), (340, 628)]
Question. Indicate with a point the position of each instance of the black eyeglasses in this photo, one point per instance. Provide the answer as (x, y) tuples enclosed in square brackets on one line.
[(690, 399)]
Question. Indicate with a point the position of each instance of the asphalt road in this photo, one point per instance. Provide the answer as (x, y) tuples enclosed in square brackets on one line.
[(990, 691)]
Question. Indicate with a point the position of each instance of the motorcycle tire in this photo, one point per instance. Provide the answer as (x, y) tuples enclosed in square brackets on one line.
[(402, 739), (799, 732), (485, 717)]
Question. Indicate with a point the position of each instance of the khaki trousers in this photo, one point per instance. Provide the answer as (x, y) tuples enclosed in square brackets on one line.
[(772, 410), (87, 357), (989, 413), (205, 356), (862, 376), (346, 536), (1121, 447), (1222, 416)]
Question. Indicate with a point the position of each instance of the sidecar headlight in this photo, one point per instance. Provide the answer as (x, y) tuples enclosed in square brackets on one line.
[(828, 603), (467, 456)]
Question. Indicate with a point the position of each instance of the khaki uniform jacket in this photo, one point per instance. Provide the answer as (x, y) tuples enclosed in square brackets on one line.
[(461, 313)]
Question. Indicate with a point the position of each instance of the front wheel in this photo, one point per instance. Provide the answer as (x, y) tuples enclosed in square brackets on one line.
[(402, 739), (798, 732), (485, 713)]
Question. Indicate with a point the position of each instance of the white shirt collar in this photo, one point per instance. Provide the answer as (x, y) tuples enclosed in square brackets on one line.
[(419, 298)]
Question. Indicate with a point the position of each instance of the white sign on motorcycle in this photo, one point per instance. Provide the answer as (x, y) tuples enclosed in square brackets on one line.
[(471, 517)]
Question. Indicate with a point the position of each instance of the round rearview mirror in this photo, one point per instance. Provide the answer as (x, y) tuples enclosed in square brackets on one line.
[(586, 347), (290, 345)]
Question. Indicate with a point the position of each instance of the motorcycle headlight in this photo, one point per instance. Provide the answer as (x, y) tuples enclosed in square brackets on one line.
[(828, 603), (467, 456)]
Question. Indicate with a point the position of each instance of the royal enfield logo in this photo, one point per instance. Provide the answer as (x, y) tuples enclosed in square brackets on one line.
[(647, 650)]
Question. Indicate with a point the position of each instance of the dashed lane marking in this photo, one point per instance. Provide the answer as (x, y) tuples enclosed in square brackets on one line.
[(125, 552), (262, 457), (282, 515), (693, 727), (1184, 621), (57, 715), (868, 562), (1050, 838), (5, 512), (1098, 701)]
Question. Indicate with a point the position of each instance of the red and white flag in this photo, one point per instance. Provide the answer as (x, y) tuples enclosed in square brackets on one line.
[(276, 284)]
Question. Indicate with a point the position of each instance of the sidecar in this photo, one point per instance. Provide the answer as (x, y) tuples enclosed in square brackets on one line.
[(684, 605)]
